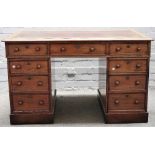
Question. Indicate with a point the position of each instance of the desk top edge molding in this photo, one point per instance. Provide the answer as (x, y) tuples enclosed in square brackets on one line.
[(91, 35)]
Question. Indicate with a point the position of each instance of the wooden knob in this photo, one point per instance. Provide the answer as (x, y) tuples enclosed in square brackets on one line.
[(138, 65), (137, 83), (138, 49), (117, 82), (62, 49), (19, 83), (92, 49), (16, 49), (37, 48), (116, 101), (118, 66), (38, 66), (20, 102), (136, 101), (41, 102), (118, 49), (39, 83), (16, 66)]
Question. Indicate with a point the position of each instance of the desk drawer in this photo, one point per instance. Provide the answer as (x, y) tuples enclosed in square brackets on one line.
[(127, 82), (28, 67), (29, 83), (127, 65), (117, 49), (78, 49), (31, 102), (27, 49), (132, 102)]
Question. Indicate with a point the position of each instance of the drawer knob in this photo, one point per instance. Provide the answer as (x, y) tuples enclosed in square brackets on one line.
[(118, 49), (138, 49), (136, 101), (62, 49), (41, 102), (38, 66), (19, 83), (16, 49), (39, 83), (117, 82), (92, 49), (118, 66), (138, 65), (137, 82), (20, 102), (16, 66), (116, 101), (37, 48)]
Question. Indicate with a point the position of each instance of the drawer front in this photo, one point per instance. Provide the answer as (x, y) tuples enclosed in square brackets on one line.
[(126, 102), (78, 49), (118, 49), (27, 49), (127, 83), (28, 67), (29, 83), (31, 102), (127, 65)]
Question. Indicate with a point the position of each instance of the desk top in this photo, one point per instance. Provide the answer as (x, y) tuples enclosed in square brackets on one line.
[(94, 34)]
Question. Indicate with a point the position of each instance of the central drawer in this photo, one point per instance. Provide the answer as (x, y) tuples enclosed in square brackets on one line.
[(77, 49), (127, 82), (29, 83), (31, 102), (28, 67)]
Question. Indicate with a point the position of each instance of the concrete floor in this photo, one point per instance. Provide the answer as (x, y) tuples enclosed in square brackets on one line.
[(77, 109)]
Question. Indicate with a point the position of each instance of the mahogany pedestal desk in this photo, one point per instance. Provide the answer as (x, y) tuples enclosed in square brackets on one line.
[(32, 97)]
